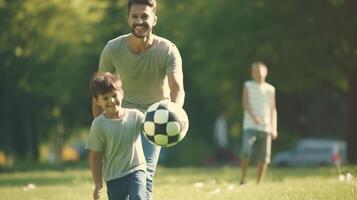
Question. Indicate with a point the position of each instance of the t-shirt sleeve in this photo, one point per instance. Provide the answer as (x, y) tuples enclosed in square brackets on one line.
[(105, 61), (174, 62), (246, 84), (273, 89), (139, 121), (95, 139)]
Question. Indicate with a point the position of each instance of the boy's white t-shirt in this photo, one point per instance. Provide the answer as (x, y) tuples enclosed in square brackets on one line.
[(120, 142), (260, 97)]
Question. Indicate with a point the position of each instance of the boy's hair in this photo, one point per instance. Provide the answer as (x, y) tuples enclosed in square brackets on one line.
[(257, 64), (151, 3), (103, 82)]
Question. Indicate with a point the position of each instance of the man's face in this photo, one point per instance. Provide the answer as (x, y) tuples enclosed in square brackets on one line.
[(110, 101), (141, 19)]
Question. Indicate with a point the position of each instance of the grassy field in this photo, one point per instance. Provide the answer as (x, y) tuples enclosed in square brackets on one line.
[(189, 184)]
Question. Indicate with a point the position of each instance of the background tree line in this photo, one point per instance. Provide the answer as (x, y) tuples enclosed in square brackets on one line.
[(50, 49)]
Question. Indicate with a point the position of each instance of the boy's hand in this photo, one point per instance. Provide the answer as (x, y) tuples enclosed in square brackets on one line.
[(96, 192), (274, 135), (258, 120)]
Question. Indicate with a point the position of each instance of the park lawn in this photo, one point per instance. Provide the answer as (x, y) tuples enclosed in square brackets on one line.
[(189, 183)]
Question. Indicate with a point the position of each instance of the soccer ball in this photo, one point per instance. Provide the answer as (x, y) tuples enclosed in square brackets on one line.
[(165, 123)]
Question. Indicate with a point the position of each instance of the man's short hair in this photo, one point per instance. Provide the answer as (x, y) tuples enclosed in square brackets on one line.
[(151, 3)]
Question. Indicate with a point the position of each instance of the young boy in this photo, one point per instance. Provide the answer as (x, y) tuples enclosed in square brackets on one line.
[(114, 143), (260, 120)]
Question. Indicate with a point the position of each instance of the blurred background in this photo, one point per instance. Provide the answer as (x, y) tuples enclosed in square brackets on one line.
[(50, 49)]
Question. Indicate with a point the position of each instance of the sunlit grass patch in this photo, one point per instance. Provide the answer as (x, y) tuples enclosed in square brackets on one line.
[(189, 183)]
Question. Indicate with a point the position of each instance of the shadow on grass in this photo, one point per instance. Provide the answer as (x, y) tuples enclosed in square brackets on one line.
[(43, 174), (36, 181), (34, 166)]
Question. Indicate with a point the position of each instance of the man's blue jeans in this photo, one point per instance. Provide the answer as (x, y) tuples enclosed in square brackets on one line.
[(133, 184), (151, 153)]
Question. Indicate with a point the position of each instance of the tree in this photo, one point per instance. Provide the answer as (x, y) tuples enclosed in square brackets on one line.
[(344, 50), (44, 53), (308, 46)]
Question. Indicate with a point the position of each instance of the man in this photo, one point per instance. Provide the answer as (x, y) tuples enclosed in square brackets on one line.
[(260, 120), (149, 66)]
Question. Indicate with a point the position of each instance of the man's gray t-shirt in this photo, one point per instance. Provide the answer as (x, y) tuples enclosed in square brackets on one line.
[(120, 142), (144, 75)]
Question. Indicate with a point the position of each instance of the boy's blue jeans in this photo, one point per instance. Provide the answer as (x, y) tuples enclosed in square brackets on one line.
[(151, 153), (133, 184)]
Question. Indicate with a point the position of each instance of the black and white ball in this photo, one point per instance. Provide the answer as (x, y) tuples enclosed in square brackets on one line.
[(165, 123)]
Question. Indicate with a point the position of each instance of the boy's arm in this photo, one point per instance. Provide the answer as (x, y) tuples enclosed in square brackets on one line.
[(95, 159), (274, 118), (245, 104)]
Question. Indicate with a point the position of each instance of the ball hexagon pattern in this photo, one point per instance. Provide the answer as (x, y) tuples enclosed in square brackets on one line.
[(165, 123)]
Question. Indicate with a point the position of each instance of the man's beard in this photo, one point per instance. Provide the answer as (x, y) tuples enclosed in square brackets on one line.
[(143, 34)]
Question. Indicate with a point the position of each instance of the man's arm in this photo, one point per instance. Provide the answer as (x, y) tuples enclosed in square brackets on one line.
[(105, 65), (96, 109), (177, 91), (95, 159), (245, 104)]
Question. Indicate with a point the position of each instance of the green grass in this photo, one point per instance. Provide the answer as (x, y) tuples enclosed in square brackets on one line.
[(189, 184)]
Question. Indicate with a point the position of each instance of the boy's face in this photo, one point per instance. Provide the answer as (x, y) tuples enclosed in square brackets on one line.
[(259, 73), (141, 19), (110, 101)]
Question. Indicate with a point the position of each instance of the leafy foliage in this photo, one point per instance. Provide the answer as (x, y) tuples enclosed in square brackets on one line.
[(50, 49)]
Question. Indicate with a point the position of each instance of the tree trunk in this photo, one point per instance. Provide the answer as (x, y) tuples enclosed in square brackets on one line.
[(34, 139), (352, 119), (59, 141), (350, 58)]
